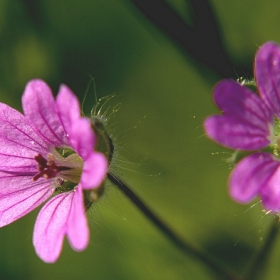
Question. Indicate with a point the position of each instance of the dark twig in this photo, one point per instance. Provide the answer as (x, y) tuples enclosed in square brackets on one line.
[(202, 40), (181, 244)]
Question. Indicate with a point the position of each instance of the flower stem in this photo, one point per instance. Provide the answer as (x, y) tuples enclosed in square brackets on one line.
[(257, 268), (181, 244)]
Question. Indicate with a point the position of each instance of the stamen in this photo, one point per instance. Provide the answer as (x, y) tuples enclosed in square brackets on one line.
[(47, 167)]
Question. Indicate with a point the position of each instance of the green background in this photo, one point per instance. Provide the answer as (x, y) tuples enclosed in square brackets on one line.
[(161, 148)]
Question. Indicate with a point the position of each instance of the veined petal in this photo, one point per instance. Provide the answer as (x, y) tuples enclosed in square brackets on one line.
[(267, 72), (82, 137), (40, 109), (19, 195), (68, 107), (232, 133), (17, 137), (246, 121), (251, 177), (94, 171), (17, 166), (56, 219), (50, 227), (79, 130), (77, 227), (239, 101)]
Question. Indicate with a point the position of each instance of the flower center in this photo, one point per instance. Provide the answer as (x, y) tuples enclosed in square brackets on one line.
[(47, 167)]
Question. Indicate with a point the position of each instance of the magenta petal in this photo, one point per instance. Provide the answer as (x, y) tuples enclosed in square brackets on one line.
[(81, 135), (249, 178), (77, 227), (246, 121), (17, 137), (68, 107), (270, 192), (19, 195), (231, 133), (50, 227), (82, 138), (40, 109), (94, 171), (267, 72), (19, 143), (63, 214)]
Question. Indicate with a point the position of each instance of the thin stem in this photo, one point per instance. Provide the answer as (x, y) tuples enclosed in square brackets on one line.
[(181, 244), (260, 262)]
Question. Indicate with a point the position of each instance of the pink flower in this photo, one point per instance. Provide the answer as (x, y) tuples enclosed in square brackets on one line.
[(250, 122), (49, 148)]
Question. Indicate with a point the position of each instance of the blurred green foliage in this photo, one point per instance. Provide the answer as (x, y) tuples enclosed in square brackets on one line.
[(162, 151)]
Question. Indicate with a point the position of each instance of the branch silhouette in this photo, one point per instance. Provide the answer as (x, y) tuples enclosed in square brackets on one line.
[(202, 40)]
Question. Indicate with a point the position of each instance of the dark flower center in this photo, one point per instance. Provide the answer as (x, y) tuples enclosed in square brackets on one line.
[(47, 167)]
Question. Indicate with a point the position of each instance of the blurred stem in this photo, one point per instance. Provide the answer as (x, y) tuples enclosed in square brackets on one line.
[(180, 243), (201, 39), (260, 262)]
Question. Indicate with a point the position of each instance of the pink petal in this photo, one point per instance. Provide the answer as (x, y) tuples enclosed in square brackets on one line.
[(77, 227), (40, 109), (82, 137), (19, 195), (56, 219), (17, 164), (50, 227), (246, 121), (17, 138), (68, 107), (267, 71), (94, 171), (249, 178)]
